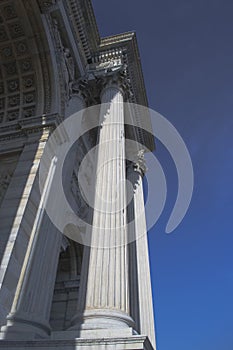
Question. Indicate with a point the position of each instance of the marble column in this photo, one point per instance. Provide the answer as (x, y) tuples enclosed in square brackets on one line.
[(104, 291), (140, 283)]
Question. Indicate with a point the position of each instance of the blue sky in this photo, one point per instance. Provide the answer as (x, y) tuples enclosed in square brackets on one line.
[(187, 56)]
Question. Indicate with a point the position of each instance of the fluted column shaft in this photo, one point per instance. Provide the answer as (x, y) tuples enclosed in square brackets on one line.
[(107, 297), (140, 283)]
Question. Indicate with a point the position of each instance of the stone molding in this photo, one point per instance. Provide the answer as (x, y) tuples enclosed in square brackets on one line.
[(84, 24), (24, 127), (128, 343)]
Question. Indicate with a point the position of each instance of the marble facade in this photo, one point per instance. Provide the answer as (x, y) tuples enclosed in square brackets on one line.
[(57, 293)]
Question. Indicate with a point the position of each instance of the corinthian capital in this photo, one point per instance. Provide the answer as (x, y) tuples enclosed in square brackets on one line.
[(87, 90), (100, 76), (117, 79)]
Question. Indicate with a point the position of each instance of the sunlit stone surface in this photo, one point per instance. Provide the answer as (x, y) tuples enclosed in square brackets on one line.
[(55, 292)]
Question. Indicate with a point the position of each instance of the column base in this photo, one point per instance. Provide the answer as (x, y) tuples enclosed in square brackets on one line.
[(23, 328), (101, 319)]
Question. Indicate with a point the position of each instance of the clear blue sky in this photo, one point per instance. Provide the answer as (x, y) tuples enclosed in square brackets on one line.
[(186, 49)]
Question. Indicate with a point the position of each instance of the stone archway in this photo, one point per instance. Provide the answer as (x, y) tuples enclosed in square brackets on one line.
[(24, 67)]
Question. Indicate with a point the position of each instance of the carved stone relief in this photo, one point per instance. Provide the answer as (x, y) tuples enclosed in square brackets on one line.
[(65, 58)]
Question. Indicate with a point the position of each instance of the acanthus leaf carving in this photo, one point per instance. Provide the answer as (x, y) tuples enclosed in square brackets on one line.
[(101, 75)]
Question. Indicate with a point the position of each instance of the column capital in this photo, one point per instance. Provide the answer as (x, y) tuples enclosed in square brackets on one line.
[(85, 90), (101, 76), (116, 80)]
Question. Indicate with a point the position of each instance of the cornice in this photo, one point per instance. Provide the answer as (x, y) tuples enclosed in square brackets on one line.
[(85, 26), (84, 21), (127, 42), (26, 126), (117, 38)]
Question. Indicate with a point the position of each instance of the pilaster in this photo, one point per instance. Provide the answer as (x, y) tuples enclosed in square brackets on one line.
[(17, 213)]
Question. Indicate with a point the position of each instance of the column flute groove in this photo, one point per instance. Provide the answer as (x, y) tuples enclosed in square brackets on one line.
[(107, 295)]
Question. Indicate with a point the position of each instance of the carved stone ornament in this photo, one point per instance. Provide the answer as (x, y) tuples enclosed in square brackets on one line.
[(138, 163), (105, 68), (45, 5), (98, 77), (83, 88), (69, 70), (66, 59)]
